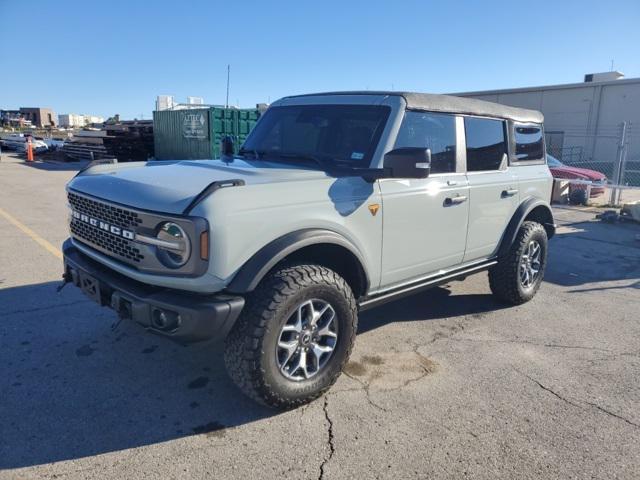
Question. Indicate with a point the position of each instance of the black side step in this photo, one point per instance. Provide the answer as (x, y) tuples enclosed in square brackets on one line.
[(406, 290)]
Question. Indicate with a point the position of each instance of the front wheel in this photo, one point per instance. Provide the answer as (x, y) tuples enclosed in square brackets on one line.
[(518, 275), (294, 336)]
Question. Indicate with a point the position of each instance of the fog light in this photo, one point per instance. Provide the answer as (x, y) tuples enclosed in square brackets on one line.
[(165, 320)]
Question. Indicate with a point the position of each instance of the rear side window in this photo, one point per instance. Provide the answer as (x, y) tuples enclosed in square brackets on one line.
[(529, 144), (435, 131), (486, 143)]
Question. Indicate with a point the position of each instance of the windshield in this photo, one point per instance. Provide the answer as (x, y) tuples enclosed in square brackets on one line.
[(553, 161), (345, 135)]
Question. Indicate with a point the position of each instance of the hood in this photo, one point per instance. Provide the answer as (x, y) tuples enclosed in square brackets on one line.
[(166, 186), (575, 172)]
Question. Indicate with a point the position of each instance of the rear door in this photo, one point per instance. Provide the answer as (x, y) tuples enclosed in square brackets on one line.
[(425, 220), (493, 185)]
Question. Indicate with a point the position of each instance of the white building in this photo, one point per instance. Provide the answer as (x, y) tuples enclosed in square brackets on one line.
[(165, 102), (168, 102), (75, 120)]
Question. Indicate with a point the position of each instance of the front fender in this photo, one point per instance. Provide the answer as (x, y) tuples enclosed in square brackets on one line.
[(254, 269)]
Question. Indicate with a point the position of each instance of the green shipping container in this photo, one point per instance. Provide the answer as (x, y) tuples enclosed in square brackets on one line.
[(196, 133)]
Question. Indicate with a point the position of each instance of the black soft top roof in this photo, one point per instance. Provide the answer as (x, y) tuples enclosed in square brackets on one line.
[(450, 104)]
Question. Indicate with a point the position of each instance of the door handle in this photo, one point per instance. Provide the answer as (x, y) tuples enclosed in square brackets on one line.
[(509, 193), (449, 201), (451, 183)]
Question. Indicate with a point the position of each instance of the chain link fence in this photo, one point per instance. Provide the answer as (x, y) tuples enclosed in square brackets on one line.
[(613, 151)]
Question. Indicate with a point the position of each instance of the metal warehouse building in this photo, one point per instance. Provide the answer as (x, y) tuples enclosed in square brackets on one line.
[(594, 124)]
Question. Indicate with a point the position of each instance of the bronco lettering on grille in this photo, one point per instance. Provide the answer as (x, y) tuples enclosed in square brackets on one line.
[(96, 222)]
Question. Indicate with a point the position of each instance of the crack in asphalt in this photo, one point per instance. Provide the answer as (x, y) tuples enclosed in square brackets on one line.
[(528, 342), (366, 389), (615, 415), (547, 389), (330, 440), (595, 405)]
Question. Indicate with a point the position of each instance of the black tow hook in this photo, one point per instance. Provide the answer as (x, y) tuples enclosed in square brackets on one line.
[(66, 278)]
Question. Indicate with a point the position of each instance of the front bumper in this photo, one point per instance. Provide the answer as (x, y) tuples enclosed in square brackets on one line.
[(182, 316)]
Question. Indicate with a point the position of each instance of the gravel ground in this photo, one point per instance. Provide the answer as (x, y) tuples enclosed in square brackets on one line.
[(445, 384)]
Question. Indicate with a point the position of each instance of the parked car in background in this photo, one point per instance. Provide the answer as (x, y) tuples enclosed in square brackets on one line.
[(561, 171), (18, 142)]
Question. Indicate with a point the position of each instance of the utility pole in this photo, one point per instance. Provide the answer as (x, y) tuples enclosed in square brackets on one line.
[(228, 75), (619, 167)]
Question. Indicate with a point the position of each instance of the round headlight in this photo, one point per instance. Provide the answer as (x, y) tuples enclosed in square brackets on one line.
[(174, 247)]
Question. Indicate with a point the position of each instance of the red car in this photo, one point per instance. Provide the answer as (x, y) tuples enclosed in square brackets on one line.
[(562, 171)]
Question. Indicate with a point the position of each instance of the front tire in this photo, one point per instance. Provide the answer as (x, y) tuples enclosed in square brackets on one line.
[(274, 354), (518, 275)]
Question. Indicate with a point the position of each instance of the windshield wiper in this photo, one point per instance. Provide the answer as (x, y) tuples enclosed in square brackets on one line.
[(257, 154), (321, 162)]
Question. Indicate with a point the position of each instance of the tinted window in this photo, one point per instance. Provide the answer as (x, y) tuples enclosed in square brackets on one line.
[(529, 145), (431, 130), (486, 143), (339, 133)]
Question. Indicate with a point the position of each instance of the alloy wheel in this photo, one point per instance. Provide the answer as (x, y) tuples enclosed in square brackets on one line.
[(307, 340), (530, 264)]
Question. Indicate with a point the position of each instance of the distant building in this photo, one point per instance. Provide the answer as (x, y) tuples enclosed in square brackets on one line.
[(74, 120), (89, 119), (582, 120), (39, 117), (168, 102), (165, 102)]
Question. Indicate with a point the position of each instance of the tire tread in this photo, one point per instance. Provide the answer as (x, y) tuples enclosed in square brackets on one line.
[(243, 348)]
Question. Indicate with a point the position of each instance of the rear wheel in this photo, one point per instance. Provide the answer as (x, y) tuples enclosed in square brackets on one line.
[(294, 336), (518, 275)]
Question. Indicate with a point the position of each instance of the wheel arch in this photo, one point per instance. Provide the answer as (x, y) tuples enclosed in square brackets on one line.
[(321, 246), (532, 209)]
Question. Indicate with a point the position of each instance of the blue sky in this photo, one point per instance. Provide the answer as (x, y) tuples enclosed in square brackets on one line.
[(106, 57)]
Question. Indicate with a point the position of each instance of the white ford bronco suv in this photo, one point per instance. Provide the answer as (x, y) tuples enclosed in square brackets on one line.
[(336, 203)]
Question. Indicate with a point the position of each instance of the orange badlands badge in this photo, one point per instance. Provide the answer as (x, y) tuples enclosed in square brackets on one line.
[(373, 208)]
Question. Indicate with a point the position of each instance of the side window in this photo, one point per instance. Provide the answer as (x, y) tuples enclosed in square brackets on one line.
[(486, 143), (529, 144), (436, 131)]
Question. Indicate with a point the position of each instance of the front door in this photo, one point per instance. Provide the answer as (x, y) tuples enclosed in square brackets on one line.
[(425, 220)]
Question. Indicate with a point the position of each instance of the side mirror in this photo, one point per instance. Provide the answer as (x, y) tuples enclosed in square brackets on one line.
[(408, 162), (226, 147)]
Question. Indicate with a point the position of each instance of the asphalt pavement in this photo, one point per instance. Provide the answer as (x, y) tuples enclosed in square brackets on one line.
[(444, 384)]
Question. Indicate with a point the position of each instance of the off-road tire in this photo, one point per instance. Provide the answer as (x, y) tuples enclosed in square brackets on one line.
[(249, 356), (504, 278)]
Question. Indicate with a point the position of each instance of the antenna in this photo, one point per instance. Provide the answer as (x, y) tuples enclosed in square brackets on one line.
[(612, 64), (228, 74)]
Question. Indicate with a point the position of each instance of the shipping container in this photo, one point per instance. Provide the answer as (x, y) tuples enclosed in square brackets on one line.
[(197, 133)]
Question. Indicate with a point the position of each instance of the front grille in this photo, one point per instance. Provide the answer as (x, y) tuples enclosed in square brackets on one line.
[(109, 213), (100, 239), (105, 241)]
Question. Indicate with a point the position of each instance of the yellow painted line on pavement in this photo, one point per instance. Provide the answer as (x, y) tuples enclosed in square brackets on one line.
[(33, 235)]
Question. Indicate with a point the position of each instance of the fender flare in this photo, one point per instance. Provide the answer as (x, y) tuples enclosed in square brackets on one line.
[(254, 269), (524, 209)]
